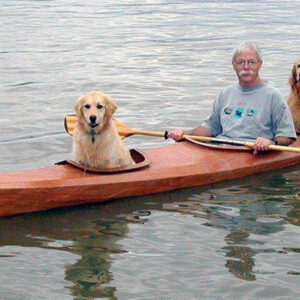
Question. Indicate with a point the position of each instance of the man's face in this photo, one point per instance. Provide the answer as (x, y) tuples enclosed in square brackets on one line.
[(247, 66)]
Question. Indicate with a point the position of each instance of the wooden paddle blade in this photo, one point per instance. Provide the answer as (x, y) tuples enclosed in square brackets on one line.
[(123, 130), (70, 123)]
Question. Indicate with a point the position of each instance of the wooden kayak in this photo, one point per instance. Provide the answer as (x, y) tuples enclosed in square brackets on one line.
[(173, 166)]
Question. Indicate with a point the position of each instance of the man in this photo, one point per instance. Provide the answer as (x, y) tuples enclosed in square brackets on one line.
[(251, 109)]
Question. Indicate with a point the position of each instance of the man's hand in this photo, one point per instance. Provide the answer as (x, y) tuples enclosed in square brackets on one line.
[(176, 134), (261, 145)]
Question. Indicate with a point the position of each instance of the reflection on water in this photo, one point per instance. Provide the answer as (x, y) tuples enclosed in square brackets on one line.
[(240, 258), (91, 273), (135, 246), (93, 238)]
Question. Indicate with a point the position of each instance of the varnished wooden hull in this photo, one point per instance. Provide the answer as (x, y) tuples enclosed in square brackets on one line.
[(172, 167)]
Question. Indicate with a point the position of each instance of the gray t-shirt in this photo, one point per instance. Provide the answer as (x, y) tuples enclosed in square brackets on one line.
[(245, 113)]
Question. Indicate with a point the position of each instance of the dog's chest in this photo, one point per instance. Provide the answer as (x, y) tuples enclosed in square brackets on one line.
[(92, 139)]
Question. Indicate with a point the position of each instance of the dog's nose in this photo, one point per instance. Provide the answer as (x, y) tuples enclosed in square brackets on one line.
[(93, 119)]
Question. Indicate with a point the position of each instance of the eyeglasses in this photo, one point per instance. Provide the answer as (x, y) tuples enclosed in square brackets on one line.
[(250, 62)]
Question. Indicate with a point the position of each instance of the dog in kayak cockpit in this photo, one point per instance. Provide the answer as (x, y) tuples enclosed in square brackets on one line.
[(96, 142)]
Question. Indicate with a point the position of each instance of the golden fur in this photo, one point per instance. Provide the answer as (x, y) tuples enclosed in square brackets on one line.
[(294, 96), (96, 142)]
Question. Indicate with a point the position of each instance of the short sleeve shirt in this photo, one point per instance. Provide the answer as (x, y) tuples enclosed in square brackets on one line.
[(246, 113)]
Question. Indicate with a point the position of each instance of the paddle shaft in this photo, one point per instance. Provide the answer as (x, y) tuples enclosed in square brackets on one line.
[(124, 131), (216, 140)]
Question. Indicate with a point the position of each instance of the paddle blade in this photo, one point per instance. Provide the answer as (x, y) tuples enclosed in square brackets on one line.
[(123, 130), (70, 123)]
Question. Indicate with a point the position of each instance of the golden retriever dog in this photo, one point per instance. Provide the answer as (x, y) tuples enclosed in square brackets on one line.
[(294, 96), (96, 142)]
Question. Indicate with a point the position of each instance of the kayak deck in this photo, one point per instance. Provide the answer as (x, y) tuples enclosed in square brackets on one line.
[(172, 167)]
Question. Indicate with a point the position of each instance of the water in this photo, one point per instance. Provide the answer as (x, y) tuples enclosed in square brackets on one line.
[(164, 62)]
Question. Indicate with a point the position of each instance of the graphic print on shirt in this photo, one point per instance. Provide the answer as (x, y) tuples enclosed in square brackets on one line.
[(251, 112), (228, 110), (238, 112)]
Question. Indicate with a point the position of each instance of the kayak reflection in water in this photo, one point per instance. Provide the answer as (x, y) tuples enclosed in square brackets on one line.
[(251, 109)]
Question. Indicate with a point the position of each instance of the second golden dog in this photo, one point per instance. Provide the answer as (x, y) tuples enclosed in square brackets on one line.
[(294, 96)]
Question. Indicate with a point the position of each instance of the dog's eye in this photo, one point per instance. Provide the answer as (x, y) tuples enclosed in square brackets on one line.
[(298, 66), (99, 106), (87, 106)]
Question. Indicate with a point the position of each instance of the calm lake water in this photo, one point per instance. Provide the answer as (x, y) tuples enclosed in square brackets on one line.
[(164, 62)]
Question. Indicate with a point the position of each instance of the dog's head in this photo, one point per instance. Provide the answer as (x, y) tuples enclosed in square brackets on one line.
[(295, 75), (94, 110)]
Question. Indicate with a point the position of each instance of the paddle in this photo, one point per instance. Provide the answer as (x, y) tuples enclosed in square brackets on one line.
[(125, 131)]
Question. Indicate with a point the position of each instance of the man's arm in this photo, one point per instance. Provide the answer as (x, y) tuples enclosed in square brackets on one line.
[(284, 141)]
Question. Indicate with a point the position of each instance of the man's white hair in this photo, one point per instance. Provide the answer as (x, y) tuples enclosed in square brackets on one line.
[(244, 47)]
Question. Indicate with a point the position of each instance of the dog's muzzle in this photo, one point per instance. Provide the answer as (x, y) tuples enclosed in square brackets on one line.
[(93, 120)]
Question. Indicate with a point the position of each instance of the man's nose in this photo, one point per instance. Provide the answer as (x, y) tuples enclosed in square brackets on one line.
[(246, 65)]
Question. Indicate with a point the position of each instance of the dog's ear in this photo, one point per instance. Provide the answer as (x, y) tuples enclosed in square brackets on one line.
[(78, 106), (292, 79), (110, 106), (79, 110)]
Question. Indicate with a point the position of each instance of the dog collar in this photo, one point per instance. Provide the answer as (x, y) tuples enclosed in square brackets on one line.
[(92, 133)]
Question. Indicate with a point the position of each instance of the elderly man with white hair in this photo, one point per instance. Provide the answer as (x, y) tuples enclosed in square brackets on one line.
[(251, 110)]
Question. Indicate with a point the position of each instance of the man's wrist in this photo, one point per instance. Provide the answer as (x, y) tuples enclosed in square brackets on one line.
[(275, 141)]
